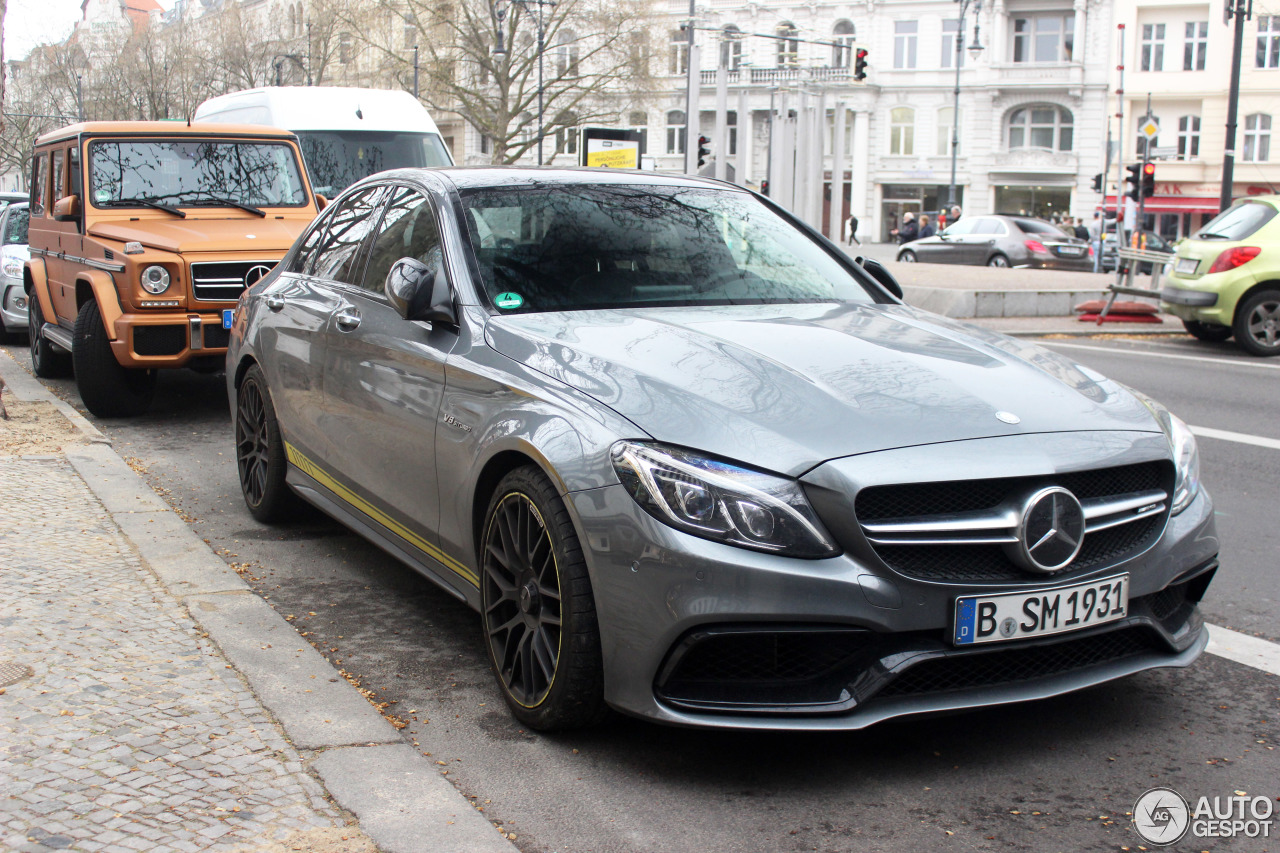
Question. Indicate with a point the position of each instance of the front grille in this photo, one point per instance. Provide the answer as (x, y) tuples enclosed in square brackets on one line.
[(225, 281), (1010, 666), (159, 340), (987, 561)]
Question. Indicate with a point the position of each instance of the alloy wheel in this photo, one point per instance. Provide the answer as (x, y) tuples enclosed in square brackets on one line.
[(1264, 324), (252, 449)]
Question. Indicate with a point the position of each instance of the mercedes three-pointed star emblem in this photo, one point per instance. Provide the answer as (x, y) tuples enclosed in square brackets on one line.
[(1050, 531)]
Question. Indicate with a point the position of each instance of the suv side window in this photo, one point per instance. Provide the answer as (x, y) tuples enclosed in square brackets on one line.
[(39, 174), (73, 170), (408, 230), (55, 176), (338, 254)]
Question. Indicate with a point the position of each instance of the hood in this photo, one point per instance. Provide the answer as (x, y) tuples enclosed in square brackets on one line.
[(788, 387), (195, 234)]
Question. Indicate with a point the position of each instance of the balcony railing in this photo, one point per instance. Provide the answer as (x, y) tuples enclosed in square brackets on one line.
[(768, 76)]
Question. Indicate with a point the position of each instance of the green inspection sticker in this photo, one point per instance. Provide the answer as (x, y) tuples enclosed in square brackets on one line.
[(508, 301)]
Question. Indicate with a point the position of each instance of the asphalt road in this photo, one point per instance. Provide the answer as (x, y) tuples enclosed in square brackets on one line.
[(1053, 775)]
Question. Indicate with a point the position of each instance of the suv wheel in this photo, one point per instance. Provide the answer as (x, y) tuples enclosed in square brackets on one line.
[(1257, 324), (537, 607), (260, 456), (46, 361), (107, 389), (1210, 332)]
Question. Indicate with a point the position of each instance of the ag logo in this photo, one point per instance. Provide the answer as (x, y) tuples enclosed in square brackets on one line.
[(1161, 816)]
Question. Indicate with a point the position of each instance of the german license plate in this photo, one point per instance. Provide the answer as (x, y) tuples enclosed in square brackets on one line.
[(228, 317), (1077, 251), (1020, 615), (1186, 266)]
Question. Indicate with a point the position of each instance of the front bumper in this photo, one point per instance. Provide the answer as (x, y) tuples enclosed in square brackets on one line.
[(170, 339), (846, 642), (13, 304)]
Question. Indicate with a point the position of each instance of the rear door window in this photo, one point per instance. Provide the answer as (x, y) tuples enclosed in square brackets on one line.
[(39, 186), (338, 255), (1238, 222)]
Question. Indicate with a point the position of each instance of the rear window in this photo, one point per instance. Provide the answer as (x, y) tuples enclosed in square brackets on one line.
[(1238, 222)]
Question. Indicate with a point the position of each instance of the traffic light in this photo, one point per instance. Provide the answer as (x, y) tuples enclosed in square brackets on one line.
[(1134, 181), (703, 150), (764, 188), (1148, 180), (860, 64), (1097, 183)]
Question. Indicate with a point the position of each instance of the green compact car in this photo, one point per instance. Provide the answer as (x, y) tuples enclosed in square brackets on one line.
[(1226, 277)]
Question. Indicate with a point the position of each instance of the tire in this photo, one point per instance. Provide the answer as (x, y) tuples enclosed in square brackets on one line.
[(260, 454), (998, 261), (107, 389), (537, 608), (46, 361), (1257, 326), (907, 257), (1210, 332)]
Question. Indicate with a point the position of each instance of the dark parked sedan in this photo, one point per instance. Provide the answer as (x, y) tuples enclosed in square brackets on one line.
[(689, 461), (1002, 241)]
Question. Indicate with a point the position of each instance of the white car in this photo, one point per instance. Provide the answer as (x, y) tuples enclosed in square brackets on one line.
[(13, 254)]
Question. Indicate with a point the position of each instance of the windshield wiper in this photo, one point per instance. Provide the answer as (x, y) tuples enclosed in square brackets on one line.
[(217, 199), (130, 202), (1210, 235)]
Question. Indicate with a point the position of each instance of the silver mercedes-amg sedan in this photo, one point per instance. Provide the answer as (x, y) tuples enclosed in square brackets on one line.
[(690, 462)]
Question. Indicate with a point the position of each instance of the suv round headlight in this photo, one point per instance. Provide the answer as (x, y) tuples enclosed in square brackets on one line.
[(155, 280)]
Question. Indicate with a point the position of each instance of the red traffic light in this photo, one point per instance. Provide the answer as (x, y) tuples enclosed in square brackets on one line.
[(1149, 169)]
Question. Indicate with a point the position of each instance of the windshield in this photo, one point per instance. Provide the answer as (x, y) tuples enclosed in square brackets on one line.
[(1237, 222), (564, 248), (191, 173), (336, 159), (15, 227)]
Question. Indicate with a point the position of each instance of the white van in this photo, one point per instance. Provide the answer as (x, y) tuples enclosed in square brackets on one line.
[(346, 134)]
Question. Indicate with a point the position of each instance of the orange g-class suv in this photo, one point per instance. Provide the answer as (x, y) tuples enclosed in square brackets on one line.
[(143, 235)]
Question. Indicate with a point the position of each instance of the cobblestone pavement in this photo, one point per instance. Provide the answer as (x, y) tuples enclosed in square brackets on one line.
[(126, 730)]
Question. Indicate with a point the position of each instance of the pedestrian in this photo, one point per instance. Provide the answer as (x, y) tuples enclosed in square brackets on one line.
[(909, 230), (926, 228), (1080, 231), (955, 214), (852, 224)]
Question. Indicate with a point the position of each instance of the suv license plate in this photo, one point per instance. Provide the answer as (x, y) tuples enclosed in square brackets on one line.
[(1019, 615), (228, 317), (1187, 266)]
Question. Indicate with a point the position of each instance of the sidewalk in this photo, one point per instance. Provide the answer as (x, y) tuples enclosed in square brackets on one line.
[(149, 701)]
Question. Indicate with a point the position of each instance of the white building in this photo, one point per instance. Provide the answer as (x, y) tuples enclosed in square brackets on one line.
[(1033, 107)]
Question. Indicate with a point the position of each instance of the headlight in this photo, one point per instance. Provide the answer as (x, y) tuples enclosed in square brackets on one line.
[(1186, 456), (12, 266), (720, 501), (155, 280)]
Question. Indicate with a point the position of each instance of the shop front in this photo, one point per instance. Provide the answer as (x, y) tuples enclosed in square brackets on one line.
[(899, 199), (1050, 201), (1179, 209)]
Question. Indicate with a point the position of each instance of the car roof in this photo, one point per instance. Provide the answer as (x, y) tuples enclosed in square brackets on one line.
[(160, 128), (481, 177)]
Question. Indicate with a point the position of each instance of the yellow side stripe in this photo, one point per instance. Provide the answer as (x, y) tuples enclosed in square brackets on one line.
[(315, 472)]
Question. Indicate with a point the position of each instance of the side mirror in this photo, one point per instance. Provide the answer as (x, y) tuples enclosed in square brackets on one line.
[(67, 208), (417, 293), (321, 202), (880, 273)]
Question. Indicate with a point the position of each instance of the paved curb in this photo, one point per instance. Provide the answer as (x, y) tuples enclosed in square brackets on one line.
[(401, 800)]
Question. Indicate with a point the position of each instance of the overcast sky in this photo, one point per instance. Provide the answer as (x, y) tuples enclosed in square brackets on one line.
[(32, 22)]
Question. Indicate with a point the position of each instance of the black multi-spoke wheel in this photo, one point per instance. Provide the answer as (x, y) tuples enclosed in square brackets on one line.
[(538, 610), (260, 456)]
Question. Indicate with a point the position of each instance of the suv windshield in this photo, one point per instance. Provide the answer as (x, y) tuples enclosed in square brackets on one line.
[(15, 227), (1237, 222), (191, 173), (566, 248), (336, 159)]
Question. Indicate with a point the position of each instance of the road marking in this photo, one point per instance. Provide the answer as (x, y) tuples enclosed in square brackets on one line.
[(1242, 438), (1241, 648), (1165, 355)]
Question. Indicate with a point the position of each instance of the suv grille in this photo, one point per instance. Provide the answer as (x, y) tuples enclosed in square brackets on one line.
[(957, 531), (225, 281)]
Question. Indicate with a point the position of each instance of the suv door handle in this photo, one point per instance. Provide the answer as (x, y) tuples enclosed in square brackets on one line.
[(275, 303), (347, 319)]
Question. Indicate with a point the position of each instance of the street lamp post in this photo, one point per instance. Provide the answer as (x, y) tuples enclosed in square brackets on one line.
[(500, 12), (975, 48)]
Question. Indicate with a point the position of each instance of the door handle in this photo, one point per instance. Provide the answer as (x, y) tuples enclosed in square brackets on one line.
[(275, 303), (347, 319)]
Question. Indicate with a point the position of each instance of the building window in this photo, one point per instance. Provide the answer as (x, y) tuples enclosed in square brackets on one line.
[(1257, 138), (902, 131), (842, 36), (1196, 46), (1152, 47), (344, 48), (675, 132), (1041, 126), (410, 34), (951, 38), (731, 48), (639, 121), (1268, 41), (486, 143), (567, 53), (788, 45), (679, 56), (905, 34), (1188, 137), (945, 126), (567, 133), (731, 123), (1044, 38)]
